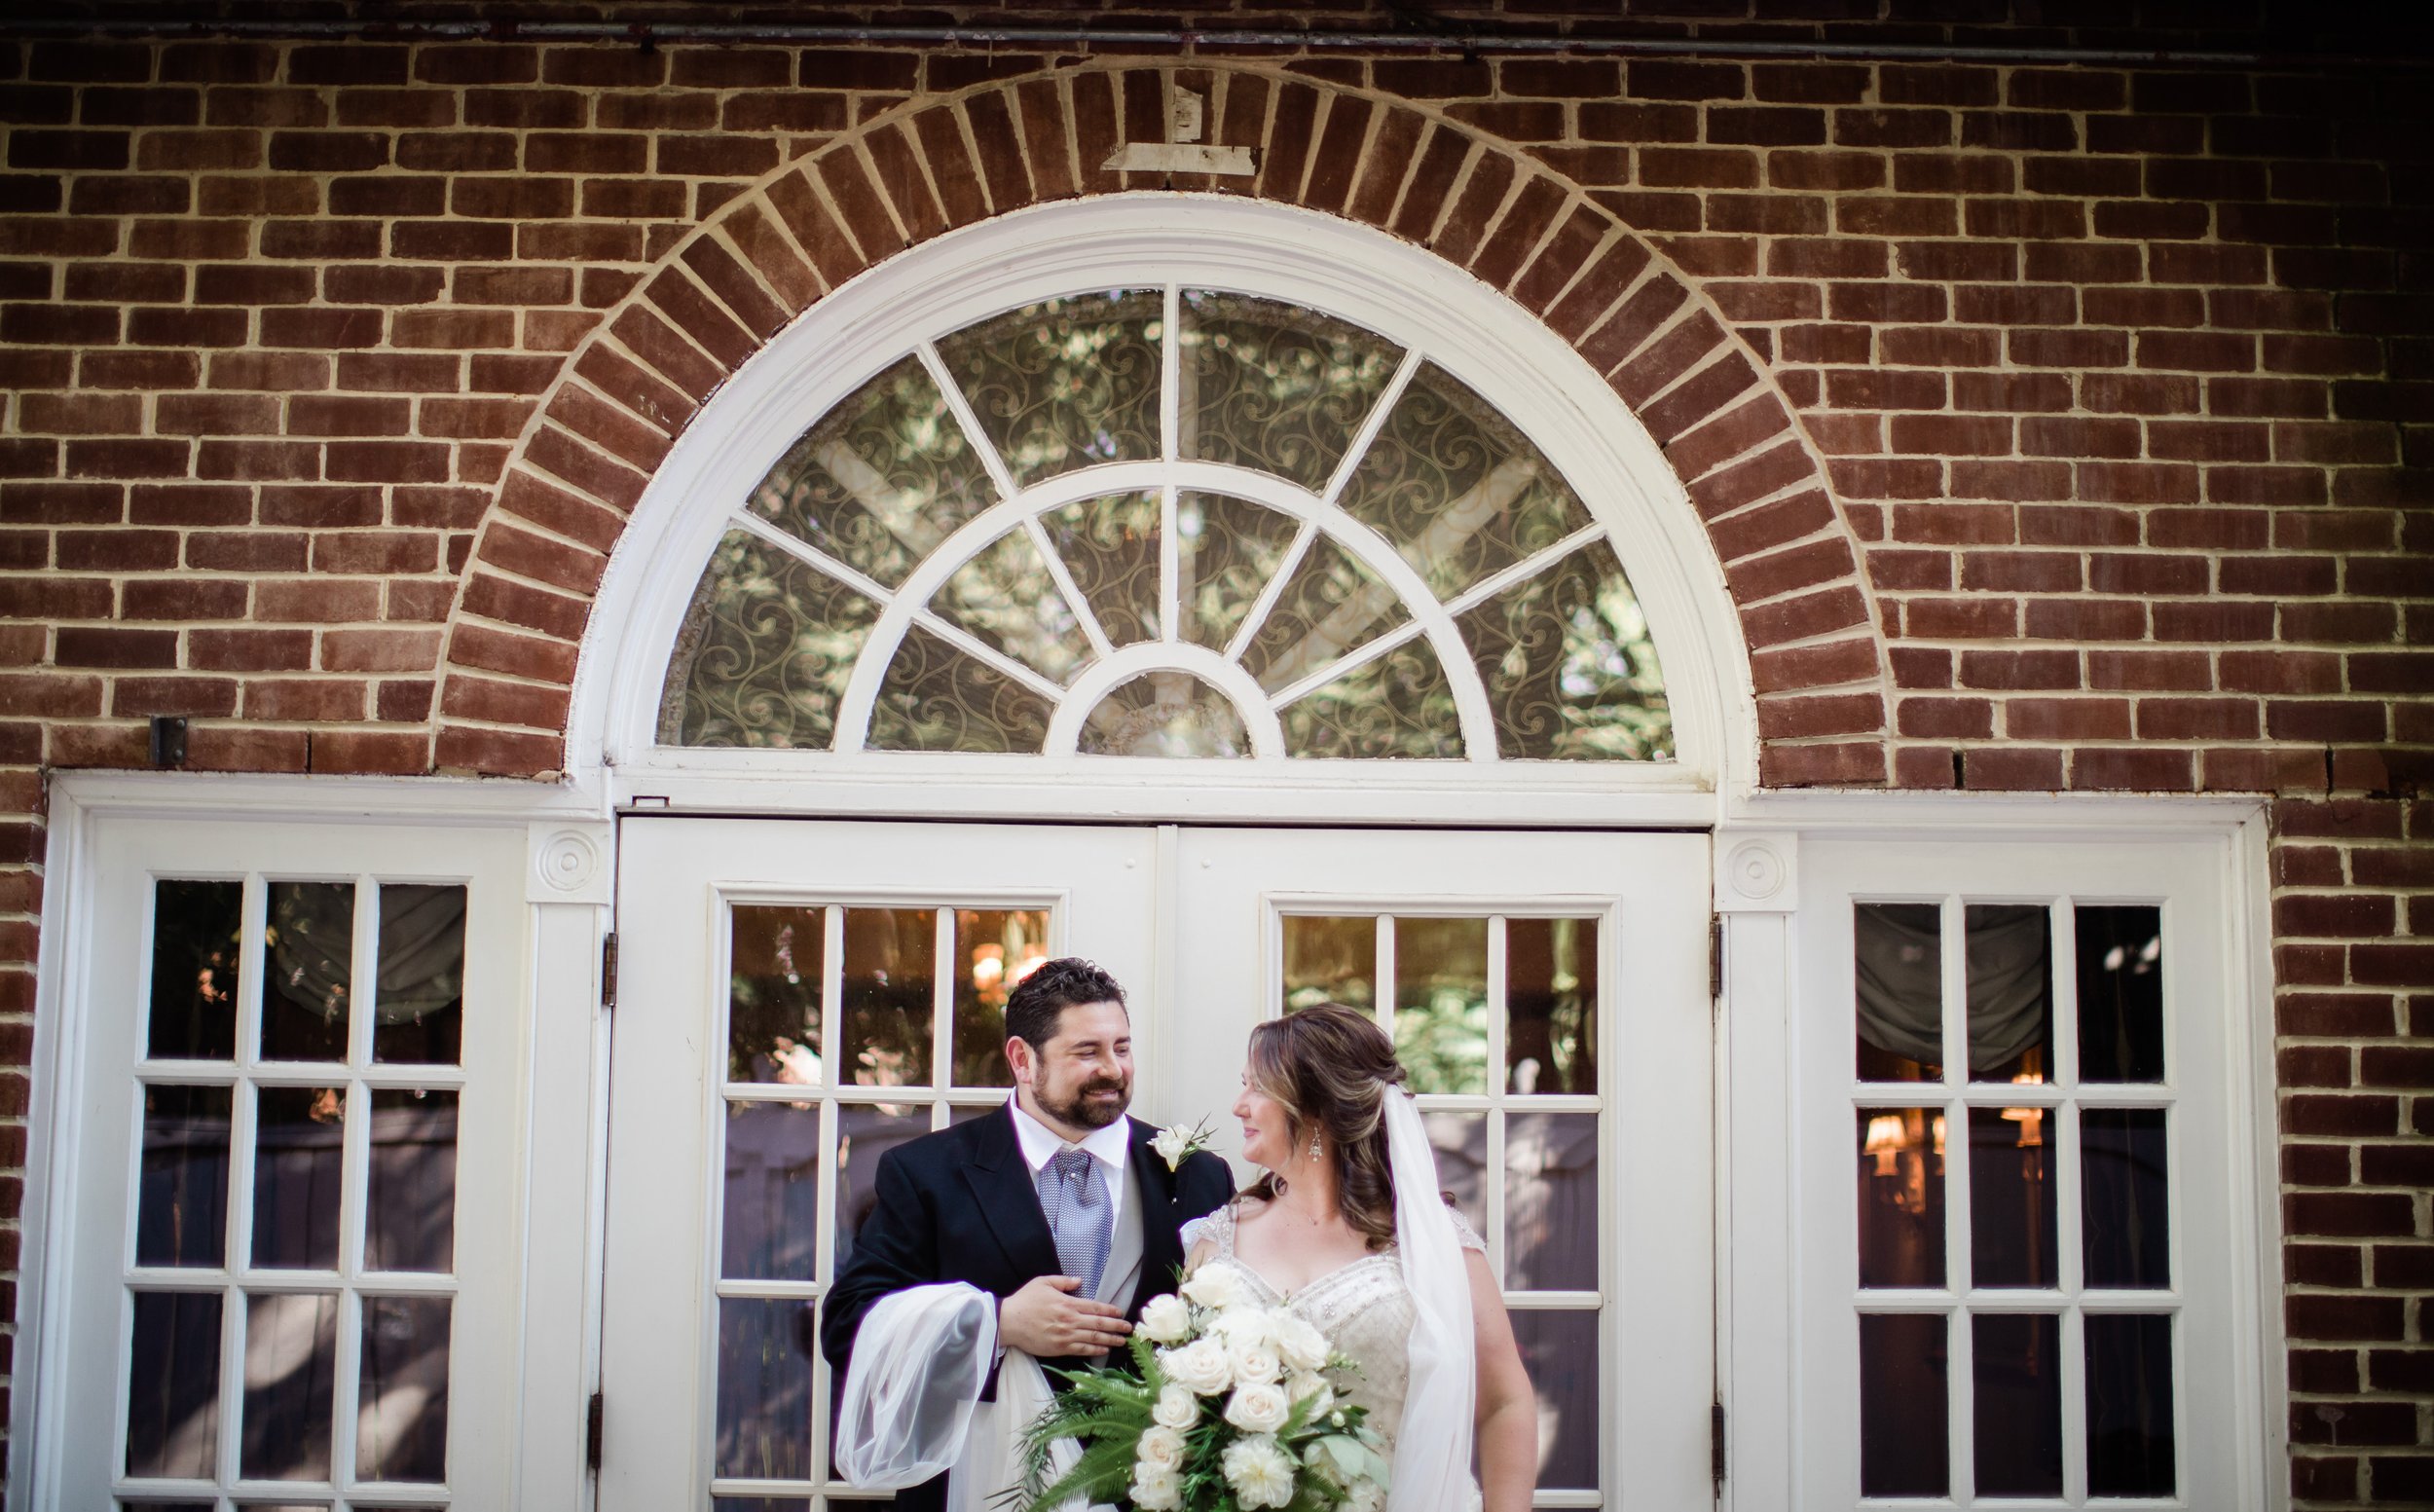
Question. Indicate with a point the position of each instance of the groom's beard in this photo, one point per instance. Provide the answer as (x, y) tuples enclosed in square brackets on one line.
[(1080, 1109)]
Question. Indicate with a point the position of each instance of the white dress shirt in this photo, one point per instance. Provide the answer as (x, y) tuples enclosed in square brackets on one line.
[(1109, 1146)]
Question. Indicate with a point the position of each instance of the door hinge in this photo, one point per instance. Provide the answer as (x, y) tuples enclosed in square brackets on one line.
[(593, 1416), (1715, 955), (1714, 1442), (609, 970)]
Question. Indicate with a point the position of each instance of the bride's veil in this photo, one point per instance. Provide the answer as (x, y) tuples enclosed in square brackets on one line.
[(1431, 1471)]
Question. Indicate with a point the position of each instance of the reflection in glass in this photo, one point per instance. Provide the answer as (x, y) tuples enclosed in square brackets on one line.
[(402, 1410), (299, 1140), (420, 1008), (1551, 1201), (890, 988), (1551, 1005), (1278, 388), (2009, 953), (1398, 704), (1461, 1142), (936, 697), (1226, 551), (995, 949), (181, 1204), (1903, 1445), (864, 1134), (173, 1385), (291, 1377), (764, 652), (411, 1195), (1441, 1003), (881, 481), (2018, 1396), (1110, 548), (1897, 964), (773, 992), (1331, 960), (1569, 667), (2120, 992), (2012, 1199), (764, 1388), (1006, 598), (770, 1220), (2124, 1197), (2129, 1405), (1556, 1348), (195, 953), (306, 969), (1901, 1196), (1064, 383), (1329, 605), (1165, 713)]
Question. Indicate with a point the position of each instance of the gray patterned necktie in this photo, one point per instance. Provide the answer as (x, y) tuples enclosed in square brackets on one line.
[(1074, 1197)]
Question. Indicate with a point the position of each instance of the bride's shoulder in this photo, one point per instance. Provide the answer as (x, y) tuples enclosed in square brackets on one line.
[(1463, 1233), (1215, 1231)]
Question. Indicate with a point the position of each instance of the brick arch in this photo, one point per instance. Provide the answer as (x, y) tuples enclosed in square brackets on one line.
[(1789, 557)]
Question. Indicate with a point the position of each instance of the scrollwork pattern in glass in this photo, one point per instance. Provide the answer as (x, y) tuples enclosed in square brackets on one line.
[(1398, 704), (1065, 383), (1331, 605), (938, 697), (1458, 490), (1006, 597), (765, 652), (1225, 549), (1110, 546), (1275, 387), (881, 480), (1571, 672), (1165, 713)]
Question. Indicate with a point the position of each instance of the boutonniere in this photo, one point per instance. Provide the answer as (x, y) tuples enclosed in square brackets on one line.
[(1176, 1145)]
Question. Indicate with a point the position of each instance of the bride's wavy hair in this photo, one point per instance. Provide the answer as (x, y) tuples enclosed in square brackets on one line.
[(1328, 1066)]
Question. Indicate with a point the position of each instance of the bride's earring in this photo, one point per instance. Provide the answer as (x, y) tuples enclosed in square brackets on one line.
[(1313, 1147)]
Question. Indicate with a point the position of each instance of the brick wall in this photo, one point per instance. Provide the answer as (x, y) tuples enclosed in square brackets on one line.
[(2061, 428)]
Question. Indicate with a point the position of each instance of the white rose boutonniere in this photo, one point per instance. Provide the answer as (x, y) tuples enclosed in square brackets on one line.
[(1175, 1144)]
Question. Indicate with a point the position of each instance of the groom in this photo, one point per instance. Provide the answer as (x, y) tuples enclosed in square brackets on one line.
[(1056, 1204)]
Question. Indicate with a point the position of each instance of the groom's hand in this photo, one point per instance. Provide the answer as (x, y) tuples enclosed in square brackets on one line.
[(1044, 1319)]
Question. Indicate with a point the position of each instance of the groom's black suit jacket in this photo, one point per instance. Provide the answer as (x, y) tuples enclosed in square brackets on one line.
[(960, 1205)]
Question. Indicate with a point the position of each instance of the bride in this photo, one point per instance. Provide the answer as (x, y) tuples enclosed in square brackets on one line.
[(1346, 1230)]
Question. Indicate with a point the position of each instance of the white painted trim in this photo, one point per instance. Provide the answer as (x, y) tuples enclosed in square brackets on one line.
[(1103, 677), (2262, 1353)]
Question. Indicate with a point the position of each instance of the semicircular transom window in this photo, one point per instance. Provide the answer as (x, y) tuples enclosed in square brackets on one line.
[(1168, 523)]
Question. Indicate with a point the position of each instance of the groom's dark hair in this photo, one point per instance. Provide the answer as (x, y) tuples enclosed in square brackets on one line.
[(1040, 1000)]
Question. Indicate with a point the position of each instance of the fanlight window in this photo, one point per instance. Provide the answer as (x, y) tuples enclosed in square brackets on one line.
[(1170, 523)]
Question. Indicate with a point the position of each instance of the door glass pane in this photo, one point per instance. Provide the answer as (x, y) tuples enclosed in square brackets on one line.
[(197, 930), (2120, 993), (412, 1220), (291, 1370), (1331, 960), (2016, 1421), (2010, 950), (1441, 1003), (936, 697), (1570, 666), (2012, 1199), (2124, 1201), (771, 1217), (1397, 705), (764, 654), (994, 949), (1550, 1006), (1166, 713), (864, 1132), (1558, 1350), (181, 1204), (421, 975), (1460, 1143), (773, 993), (1226, 551), (1901, 1196), (1065, 383), (1007, 599), (890, 990), (401, 1431), (2129, 1405), (1897, 966), (1551, 1201), (1330, 604), (299, 1157), (173, 1385), (1110, 548), (1904, 1444), (1278, 388), (764, 1422), (307, 970)]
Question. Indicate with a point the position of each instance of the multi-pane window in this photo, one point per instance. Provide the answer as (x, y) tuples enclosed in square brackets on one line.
[(2019, 1297), (1495, 1021), (290, 1277), (848, 1031)]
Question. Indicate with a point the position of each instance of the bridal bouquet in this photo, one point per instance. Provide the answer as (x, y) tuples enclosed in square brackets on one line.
[(1224, 1410)]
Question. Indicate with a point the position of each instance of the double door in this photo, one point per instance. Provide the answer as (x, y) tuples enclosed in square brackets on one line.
[(798, 997)]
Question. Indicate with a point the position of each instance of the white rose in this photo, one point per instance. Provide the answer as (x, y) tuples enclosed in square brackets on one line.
[(1365, 1496), (1260, 1472), (1303, 1347), (1155, 1490), (1167, 1320), (1258, 1407), (1216, 1286), (1171, 1145), (1254, 1362), (1177, 1408), (1160, 1449), (1244, 1326), (1198, 1367), (1312, 1387)]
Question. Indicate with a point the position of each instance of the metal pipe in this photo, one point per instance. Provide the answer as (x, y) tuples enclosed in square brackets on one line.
[(647, 33)]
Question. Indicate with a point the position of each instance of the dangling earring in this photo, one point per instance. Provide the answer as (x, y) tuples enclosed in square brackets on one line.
[(1314, 1147)]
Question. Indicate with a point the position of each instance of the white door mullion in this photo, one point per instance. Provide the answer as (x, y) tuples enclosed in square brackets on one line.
[(2070, 1349), (1083, 614), (961, 408), (1270, 591), (943, 1010), (1495, 1176), (1371, 423)]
